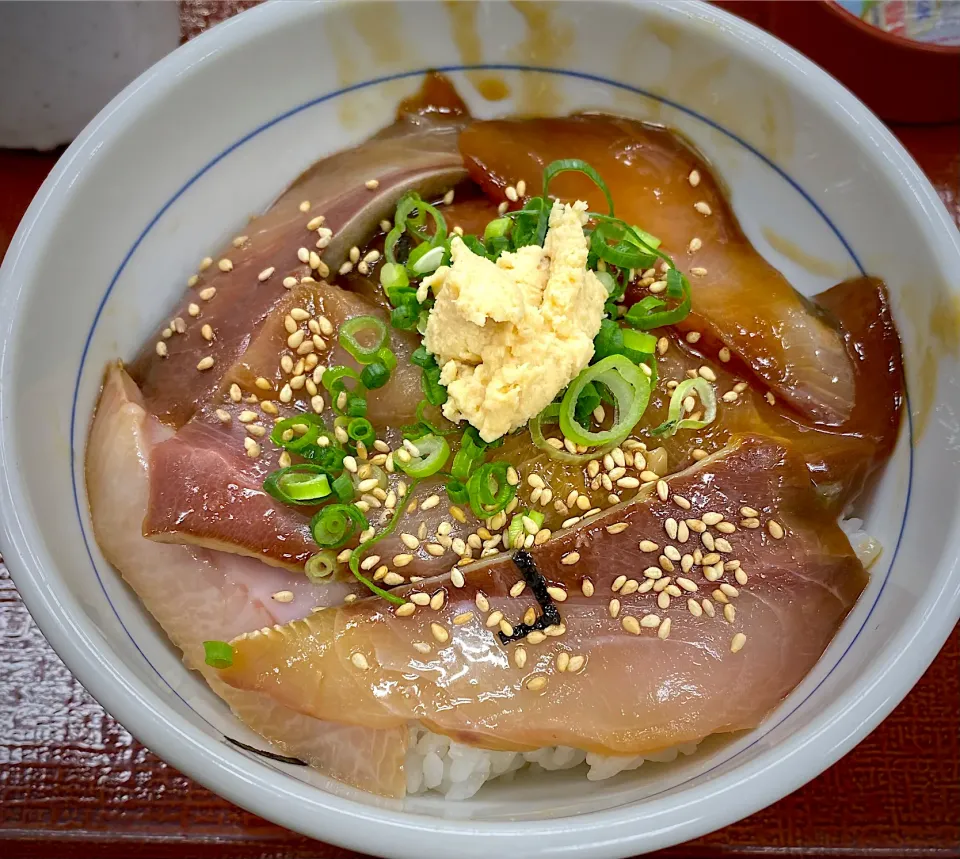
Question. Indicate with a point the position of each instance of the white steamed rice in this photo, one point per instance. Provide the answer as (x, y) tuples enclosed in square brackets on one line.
[(436, 763)]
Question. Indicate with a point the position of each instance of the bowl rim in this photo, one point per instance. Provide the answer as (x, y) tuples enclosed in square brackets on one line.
[(624, 830)]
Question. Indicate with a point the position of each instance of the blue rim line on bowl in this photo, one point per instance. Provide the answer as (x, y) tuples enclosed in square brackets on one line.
[(463, 68)]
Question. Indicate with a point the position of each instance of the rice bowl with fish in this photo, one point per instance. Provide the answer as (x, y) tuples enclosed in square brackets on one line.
[(212, 134), (496, 444)]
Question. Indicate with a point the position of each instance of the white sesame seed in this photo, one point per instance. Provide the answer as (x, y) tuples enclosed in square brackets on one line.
[(430, 502), (736, 645), (708, 374), (371, 184), (664, 631), (570, 558), (360, 661), (723, 545), (703, 208), (559, 594), (208, 293), (502, 208), (663, 490), (613, 608), (511, 193), (537, 684), (630, 624), (618, 583), (775, 529), (225, 265), (252, 448), (205, 363)]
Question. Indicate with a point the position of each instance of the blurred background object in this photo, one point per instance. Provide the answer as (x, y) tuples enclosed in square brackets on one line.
[(61, 62), (900, 57)]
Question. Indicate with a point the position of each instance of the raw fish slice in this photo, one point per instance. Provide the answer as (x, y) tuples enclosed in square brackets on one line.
[(327, 307), (207, 490), (634, 692), (198, 595), (417, 153), (740, 301), (840, 460)]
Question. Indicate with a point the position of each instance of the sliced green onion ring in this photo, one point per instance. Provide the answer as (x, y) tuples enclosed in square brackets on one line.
[(334, 380), (630, 389), (434, 453), (429, 262), (358, 553), (374, 375), (349, 340), (576, 165), (305, 430), (344, 488), (393, 275), (321, 566), (646, 314), (217, 654), (336, 524), (517, 529), (675, 420), (387, 357), (623, 254), (360, 429), (457, 491), (489, 490), (497, 229), (304, 484)]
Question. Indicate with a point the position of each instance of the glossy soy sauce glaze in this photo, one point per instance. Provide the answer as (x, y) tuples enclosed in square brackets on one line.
[(826, 374)]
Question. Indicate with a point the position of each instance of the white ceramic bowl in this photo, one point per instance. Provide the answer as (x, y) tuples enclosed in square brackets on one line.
[(214, 131)]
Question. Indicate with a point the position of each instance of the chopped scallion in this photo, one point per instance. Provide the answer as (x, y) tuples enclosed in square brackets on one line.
[(217, 654)]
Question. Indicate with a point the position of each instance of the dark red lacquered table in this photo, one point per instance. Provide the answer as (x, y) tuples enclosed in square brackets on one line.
[(74, 783)]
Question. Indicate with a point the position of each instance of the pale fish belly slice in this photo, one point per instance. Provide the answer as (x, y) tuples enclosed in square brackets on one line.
[(196, 595), (632, 665)]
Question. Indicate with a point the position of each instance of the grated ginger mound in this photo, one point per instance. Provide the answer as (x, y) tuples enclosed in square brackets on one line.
[(510, 335)]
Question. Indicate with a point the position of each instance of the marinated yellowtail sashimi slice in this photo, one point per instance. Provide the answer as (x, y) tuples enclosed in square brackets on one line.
[(198, 595), (207, 484), (307, 233), (840, 460), (623, 635), (740, 301)]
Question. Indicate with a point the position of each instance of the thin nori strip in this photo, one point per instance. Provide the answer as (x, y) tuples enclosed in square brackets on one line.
[(538, 584), (283, 759)]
